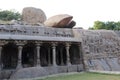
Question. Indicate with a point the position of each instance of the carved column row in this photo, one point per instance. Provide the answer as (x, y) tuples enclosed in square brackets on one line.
[(20, 48), (19, 63), (67, 53), (54, 54), (38, 45)]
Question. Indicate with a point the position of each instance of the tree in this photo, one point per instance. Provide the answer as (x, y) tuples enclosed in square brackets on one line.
[(98, 25), (109, 25), (7, 15), (117, 26)]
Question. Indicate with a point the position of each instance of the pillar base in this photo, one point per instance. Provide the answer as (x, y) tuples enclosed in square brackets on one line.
[(19, 66), (69, 64), (38, 65), (55, 65)]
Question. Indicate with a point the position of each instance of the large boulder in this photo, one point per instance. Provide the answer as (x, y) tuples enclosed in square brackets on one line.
[(71, 24), (31, 15), (58, 21)]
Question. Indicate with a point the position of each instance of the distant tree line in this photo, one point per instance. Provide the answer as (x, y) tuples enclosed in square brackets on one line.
[(7, 15), (109, 25)]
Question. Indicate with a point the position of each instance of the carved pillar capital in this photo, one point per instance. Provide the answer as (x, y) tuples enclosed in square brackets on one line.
[(20, 43), (54, 44), (68, 45), (38, 43), (3, 42)]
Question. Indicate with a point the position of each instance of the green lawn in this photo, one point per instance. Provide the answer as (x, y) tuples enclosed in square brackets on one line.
[(5, 22), (85, 76)]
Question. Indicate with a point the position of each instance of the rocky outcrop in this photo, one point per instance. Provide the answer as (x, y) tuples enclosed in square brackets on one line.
[(101, 49), (59, 21), (32, 15)]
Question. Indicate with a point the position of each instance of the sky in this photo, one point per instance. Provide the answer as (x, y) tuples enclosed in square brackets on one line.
[(84, 12)]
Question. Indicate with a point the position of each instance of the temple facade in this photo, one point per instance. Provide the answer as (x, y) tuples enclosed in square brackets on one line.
[(25, 46), (33, 51)]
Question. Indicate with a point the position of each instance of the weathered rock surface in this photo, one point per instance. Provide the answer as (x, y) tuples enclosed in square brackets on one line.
[(71, 24), (58, 21), (29, 73), (34, 72), (101, 49), (32, 15)]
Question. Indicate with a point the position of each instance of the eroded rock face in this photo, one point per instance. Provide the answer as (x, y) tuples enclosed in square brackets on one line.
[(32, 15), (58, 21), (101, 49)]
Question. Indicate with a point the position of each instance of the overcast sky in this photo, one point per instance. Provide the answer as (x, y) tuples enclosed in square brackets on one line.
[(84, 12)]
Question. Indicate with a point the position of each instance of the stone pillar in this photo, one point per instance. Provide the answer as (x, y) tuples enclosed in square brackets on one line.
[(0, 58), (38, 55), (68, 54), (54, 54), (19, 64)]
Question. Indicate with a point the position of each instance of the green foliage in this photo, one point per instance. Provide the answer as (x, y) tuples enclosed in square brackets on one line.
[(99, 25), (117, 26), (109, 25), (7, 15)]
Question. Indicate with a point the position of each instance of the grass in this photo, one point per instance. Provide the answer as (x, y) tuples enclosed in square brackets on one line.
[(5, 22), (85, 76)]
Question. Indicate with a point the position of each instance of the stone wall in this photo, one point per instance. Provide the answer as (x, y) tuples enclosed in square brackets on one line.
[(101, 49)]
